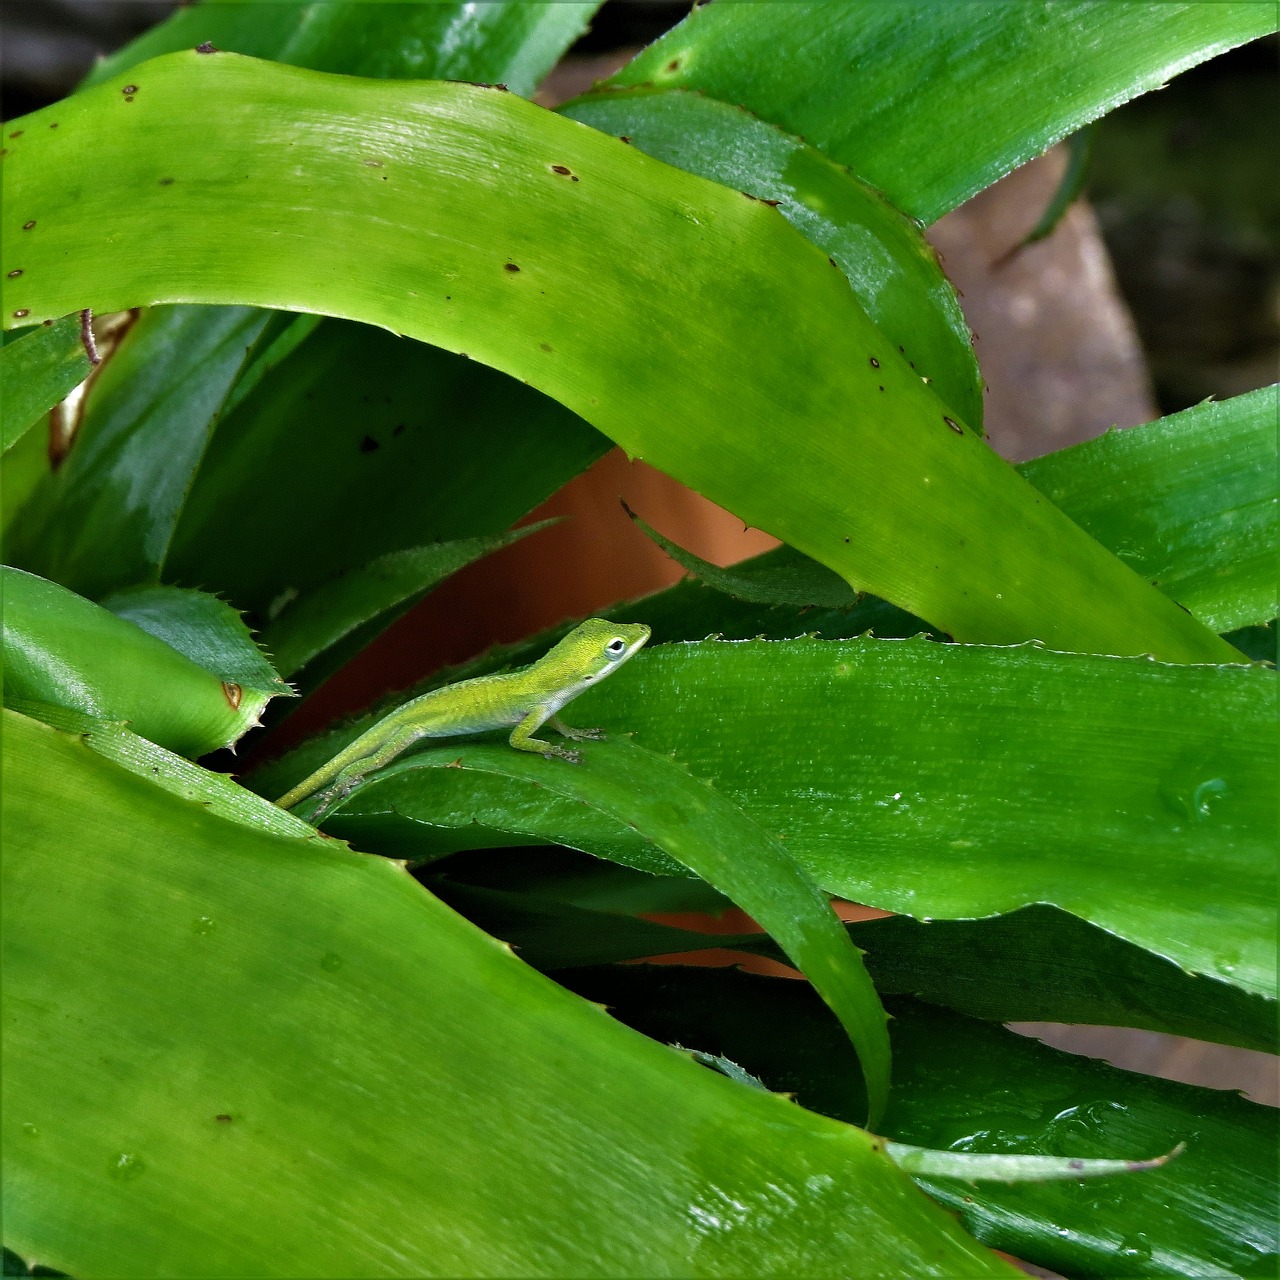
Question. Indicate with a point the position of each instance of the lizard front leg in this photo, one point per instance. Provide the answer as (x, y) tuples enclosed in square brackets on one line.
[(575, 735), (523, 740)]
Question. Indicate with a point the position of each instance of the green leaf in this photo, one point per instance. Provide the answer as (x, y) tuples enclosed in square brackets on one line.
[(967, 1087), (941, 781), (525, 243), (293, 493), (207, 630), (636, 790), (104, 520), (1079, 147), (925, 1162), (781, 576), (1189, 501), (359, 444), (348, 610), (1036, 964), (311, 1014), (63, 649), (929, 100), (36, 372), (894, 271), (507, 40), (215, 792)]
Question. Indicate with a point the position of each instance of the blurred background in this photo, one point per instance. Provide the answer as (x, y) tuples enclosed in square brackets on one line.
[(1159, 287)]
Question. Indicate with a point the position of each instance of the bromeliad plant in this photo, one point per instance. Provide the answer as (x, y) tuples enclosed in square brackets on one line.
[(999, 705)]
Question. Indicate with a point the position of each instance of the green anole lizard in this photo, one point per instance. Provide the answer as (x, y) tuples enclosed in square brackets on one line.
[(522, 701)]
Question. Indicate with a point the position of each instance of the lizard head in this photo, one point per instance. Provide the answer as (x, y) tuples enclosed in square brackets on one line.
[(596, 649)]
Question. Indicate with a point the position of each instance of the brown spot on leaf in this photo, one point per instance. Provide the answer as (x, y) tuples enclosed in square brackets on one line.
[(369, 445), (673, 65), (54, 125), (510, 266), (546, 346), (233, 693), (166, 182), (17, 133), (223, 1118), (207, 47), (624, 138)]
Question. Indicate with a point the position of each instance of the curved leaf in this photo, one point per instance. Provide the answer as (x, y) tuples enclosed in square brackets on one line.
[(969, 1166), (1035, 964), (782, 576), (296, 495), (894, 271), (208, 630), (340, 615), (686, 820), (508, 40), (965, 1086), (105, 518), (37, 371), (942, 781), (929, 100), (396, 1081), (63, 649), (360, 444), (1190, 501), (215, 792), (469, 206)]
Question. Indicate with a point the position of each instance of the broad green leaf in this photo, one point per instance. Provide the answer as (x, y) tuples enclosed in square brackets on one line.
[(291, 506), (397, 1082), (63, 649), (894, 272), (509, 256), (1036, 964), (207, 630), (214, 791), (509, 40), (930, 100), (346, 612), (359, 444), (935, 780), (686, 820), (1190, 502), (965, 1086), (36, 372), (104, 520)]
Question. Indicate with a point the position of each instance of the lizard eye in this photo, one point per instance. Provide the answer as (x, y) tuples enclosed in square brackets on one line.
[(615, 647)]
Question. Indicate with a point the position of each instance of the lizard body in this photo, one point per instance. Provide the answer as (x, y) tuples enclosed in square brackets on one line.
[(521, 701)]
